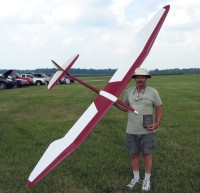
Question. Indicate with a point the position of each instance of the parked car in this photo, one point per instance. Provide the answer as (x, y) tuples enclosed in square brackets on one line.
[(49, 75), (17, 76), (71, 80), (7, 82), (20, 82), (37, 81), (42, 75), (64, 80)]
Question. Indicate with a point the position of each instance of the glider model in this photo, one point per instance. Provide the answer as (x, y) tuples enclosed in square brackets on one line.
[(61, 148)]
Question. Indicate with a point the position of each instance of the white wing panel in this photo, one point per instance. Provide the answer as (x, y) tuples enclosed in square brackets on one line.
[(54, 78), (69, 61)]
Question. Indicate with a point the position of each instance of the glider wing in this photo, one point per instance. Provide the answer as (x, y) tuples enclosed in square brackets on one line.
[(63, 147)]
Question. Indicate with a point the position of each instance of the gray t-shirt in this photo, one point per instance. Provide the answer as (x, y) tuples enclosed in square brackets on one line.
[(144, 102)]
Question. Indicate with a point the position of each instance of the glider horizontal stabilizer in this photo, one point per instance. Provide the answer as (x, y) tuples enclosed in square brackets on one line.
[(60, 149), (59, 74)]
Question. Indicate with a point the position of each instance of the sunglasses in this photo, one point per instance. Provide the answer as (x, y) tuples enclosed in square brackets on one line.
[(138, 96)]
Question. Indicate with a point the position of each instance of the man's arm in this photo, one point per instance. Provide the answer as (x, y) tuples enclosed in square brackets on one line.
[(154, 126)]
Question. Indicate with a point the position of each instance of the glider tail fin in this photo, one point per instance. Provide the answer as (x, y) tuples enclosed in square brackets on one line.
[(62, 70)]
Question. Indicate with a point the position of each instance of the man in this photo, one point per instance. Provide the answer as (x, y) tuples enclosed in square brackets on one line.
[(140, 132)]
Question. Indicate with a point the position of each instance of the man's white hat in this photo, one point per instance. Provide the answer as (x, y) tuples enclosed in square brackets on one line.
[(141, 72)]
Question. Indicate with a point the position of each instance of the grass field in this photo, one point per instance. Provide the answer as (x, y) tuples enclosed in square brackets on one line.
[(31, 118)]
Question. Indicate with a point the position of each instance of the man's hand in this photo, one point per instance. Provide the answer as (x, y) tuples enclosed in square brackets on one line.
[(152, 127)]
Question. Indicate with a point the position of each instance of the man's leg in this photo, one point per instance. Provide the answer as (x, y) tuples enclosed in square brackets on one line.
[(135, 161), (135, 166), (148, 147), (148, 144), (147, 162), (147, 166), (133, 147)]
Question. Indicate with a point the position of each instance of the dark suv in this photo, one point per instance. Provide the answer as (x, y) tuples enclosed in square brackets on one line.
[(6, 82)]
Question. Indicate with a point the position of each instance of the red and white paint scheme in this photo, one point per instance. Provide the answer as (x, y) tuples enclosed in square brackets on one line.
[(61, 148), (62, 70)]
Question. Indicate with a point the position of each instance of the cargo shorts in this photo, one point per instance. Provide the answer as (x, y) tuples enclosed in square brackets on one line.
[(145, 143)]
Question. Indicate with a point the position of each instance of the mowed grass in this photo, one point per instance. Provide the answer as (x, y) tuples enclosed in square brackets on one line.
[(31, 118)]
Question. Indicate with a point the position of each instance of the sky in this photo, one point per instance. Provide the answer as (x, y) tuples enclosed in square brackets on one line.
[(34, 32)]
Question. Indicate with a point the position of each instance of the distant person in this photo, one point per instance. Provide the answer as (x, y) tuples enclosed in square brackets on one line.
[(140, 132)]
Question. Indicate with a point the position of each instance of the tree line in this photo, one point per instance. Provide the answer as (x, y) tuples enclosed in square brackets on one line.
[(175, 71), (78, 71)]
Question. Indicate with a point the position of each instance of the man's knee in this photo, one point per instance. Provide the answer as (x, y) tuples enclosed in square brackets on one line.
[(147, 154), (135, 155)]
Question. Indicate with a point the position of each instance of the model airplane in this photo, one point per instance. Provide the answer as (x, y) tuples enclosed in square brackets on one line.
[(61, 148)]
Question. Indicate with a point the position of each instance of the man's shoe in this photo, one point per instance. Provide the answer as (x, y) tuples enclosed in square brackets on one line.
[(132, 183), (146, 185)]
